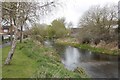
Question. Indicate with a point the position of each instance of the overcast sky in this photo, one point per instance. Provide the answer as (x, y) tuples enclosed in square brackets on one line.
[(73, 9)]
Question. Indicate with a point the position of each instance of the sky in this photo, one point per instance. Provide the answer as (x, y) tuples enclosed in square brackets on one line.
[(72, 10)]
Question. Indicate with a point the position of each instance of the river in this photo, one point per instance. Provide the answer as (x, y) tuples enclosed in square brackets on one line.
[(95, 65)]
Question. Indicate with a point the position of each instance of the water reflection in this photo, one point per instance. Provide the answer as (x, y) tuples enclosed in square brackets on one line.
[(71, 58), (96, 65), (48, 43)]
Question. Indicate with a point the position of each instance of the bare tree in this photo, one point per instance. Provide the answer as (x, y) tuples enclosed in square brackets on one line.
[(118, 25), (23, 11), (98, 21)]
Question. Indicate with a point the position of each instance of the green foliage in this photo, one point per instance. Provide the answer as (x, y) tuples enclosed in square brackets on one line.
[(32, 60), (50, 32), (41, 32), (58, 28), (38, 32)]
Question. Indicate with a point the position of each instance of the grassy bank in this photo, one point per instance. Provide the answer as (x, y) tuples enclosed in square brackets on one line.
[(35, 60), (89, 47), (20, 67), (0, 62)]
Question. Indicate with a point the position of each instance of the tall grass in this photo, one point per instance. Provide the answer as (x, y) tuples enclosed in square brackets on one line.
[(32, 60)]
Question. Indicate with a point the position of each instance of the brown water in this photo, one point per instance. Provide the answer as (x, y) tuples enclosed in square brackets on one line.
[(96, 65)]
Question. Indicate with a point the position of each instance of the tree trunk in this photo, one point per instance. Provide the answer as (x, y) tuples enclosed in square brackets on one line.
[(11, 36), (21, 34), (2, 39), (118, 33), (11, 29), (11, 52)]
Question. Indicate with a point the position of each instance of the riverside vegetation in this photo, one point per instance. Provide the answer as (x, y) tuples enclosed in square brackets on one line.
[(36, 61), (72, 42), (33, 60)]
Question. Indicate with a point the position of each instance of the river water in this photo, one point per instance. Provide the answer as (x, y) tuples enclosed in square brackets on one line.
[(95, 65)]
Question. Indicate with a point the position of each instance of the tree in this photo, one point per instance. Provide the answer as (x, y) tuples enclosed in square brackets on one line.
[(59, 27), (51, 32), (38, 32), (118, 29), (23, 11), (7, 15), (98, 22)]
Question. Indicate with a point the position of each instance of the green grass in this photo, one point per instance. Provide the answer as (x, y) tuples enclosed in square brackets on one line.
[(21, 66), (34, 60), (98, 50), (0, 62), (0, 42), (92, 49)]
